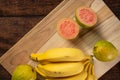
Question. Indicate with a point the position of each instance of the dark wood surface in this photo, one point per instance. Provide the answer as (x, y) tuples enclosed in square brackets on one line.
[(17, 17)]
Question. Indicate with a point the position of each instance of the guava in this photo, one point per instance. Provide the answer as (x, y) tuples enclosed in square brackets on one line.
[(24, 72), (105, 51), (85, 17), (68, 28)]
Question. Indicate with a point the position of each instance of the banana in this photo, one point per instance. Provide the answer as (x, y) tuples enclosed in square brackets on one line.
[(80, 76), (90, 70), (61, 69), (60, 54), (93, 70), (86, 67), (64, 64), (86, 62), (36, 56), (90, 77), (38, 71), (94, 77)]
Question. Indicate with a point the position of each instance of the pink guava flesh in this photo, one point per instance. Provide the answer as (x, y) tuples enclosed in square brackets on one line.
[(68, 29), (86, 17)]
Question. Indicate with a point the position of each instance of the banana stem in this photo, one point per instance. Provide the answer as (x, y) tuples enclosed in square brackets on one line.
[(91, 59)]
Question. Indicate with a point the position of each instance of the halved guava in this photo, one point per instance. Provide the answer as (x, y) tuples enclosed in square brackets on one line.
[(68, 28), (85, 17)]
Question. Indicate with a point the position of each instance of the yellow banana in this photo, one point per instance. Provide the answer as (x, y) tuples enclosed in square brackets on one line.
[(38, 71), (94, 77), (86, 62), (93, 70), (91, 77), (86, 67), (61, 69), (60, 54), (80, 76), (90, 70), (36, 56)]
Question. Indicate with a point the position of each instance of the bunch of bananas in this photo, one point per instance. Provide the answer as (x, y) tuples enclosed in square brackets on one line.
[(64, 64)]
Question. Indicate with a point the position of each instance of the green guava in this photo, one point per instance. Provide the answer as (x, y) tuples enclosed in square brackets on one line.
[(24, 72), (105, 51), (68, 29), (85, 17)]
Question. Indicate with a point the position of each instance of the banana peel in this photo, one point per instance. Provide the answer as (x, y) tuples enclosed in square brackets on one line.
[(61, 69), (59, 55), (81, 76)]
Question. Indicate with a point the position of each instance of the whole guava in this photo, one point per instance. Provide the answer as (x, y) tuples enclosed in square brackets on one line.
[(24, 72), (105, 51)]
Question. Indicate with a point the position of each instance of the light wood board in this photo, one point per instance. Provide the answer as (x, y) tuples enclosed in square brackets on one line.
[(44, 36)]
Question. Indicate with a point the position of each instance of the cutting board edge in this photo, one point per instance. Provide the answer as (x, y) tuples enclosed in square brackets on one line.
[(5, 55)]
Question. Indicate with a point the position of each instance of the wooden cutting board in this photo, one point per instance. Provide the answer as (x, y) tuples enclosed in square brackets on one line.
[(43, 36)]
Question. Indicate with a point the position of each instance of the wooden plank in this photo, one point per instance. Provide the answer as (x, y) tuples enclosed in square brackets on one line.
[(27, 7), (12, 29), (116, 10), (34, 41), (25, 46)]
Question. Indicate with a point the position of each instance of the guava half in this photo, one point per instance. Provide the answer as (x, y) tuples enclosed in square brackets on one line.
[(85, 17), (68, 28)]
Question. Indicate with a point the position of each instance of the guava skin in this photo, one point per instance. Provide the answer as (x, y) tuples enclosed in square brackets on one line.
[(24, 72), (85, 17), (105, 51)]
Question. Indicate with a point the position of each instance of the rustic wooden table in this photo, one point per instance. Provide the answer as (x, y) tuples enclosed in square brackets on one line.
[(17, 17)]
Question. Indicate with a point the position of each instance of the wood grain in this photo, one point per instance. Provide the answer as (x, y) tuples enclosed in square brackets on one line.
[(35, 37), (87, 31), (115, 7), (19, 27), (27, 7)]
